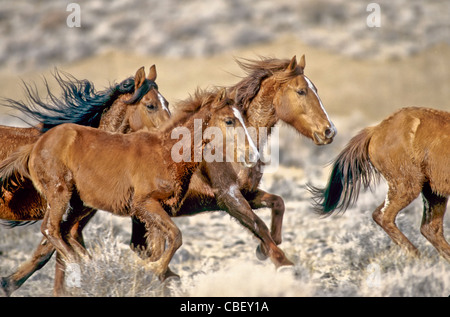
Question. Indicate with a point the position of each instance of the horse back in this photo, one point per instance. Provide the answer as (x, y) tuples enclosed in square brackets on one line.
[(414, 143)]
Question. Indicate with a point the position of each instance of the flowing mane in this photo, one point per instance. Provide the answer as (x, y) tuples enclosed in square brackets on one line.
[(257, 71), (186, 108), (80, 102)]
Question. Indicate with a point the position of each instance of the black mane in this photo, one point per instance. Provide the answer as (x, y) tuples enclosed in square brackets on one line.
[(79, 103)]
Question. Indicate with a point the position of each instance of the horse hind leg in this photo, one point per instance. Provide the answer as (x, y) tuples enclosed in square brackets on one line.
[(40, 257), (53, 227), (432, 227), (75, 239), (397, 198)]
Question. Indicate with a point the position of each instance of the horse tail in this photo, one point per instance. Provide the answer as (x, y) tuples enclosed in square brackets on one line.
[(351, 169), (14, 169)]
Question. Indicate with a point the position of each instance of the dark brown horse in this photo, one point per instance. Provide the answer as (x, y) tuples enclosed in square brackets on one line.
[(132, 105), (411, 150), (273, 90), (129, 175)]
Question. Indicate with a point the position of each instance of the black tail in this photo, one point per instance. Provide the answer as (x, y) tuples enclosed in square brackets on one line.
[(351, 168)]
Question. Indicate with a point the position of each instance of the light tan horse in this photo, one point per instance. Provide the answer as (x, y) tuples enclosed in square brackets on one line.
[(131, 105), (411, 150)]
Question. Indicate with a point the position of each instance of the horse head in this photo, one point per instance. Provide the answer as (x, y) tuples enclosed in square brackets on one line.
[(147, 108), (237, 144), (297, 102)]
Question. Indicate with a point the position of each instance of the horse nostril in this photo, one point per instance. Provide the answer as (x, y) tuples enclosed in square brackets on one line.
[(329, 133)]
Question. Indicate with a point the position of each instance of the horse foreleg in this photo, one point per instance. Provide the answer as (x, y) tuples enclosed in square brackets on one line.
[(432, 227), (147, 244), (263, 199), (155, 217), (386, 213), (238, 207)]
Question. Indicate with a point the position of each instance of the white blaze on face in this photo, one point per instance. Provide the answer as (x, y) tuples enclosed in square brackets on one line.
[(313, 89), (253, 148), (163, 103)]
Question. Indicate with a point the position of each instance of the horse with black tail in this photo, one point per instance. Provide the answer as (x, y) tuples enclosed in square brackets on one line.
[(414, 161)]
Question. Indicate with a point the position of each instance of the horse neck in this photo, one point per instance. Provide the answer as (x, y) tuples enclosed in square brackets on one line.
[(115, 119), (196, 140), (260, 111)]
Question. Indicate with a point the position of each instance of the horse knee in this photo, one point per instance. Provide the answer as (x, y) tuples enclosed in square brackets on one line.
[(277, 205), (177, 239)]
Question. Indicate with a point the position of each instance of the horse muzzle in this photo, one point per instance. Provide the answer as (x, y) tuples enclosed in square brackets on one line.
[(326, 137)]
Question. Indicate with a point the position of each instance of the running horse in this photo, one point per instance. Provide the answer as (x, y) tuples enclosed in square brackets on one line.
[(126, 174), (273, 90), (131, 105), (411, 150)]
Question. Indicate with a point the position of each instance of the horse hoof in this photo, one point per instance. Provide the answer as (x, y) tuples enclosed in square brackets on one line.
[(4, 287), (260, 254), (169, 275)]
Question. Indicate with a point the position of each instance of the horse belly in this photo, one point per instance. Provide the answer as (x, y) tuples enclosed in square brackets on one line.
[(100, 191)]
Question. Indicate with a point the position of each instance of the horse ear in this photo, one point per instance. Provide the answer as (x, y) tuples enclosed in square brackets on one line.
[(302, 63), (139, 78), (152, 73), (221, 95), (292, 64)]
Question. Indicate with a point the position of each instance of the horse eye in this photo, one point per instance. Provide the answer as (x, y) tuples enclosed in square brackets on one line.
[(151, 107), (229, 122), (301, 92)]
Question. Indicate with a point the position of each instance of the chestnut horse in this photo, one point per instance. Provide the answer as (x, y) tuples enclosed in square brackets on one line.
[(273, 90), (128, 175), (129, 106), (411, 150)]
